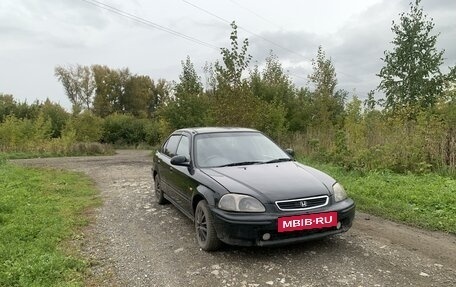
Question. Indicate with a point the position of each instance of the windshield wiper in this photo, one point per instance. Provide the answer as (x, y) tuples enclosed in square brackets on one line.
[(278, 160), (241, 163)]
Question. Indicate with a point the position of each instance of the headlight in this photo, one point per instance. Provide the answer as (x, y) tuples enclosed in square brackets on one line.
[(240, 203), (339, 192)]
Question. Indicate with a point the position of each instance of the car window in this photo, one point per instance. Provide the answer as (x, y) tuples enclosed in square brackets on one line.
[(218, 149), (171, 145), (184, 147)]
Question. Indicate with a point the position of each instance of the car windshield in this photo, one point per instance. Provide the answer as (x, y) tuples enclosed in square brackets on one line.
[(236, 148)]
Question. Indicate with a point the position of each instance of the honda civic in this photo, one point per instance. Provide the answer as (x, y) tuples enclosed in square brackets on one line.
[(241, 188)]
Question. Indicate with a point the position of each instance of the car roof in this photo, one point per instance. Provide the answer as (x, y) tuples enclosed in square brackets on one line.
[(206, 130)]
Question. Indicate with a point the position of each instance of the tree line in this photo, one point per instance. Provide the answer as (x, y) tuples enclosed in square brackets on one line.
[(412, 128)]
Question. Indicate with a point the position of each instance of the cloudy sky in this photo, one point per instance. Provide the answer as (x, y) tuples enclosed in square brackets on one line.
[(38, 35)]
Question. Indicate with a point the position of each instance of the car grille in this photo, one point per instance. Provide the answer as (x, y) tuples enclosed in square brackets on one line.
[(302, 203)]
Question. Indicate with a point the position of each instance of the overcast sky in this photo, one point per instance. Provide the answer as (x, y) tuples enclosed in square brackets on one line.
[(38, 35)]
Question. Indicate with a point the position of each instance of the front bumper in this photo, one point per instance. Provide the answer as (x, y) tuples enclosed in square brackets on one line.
[(247, 229)]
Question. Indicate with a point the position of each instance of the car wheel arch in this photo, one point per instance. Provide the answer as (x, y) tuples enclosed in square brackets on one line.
[(202, 193)]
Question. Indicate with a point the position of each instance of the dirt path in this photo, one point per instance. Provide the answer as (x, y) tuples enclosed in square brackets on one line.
[(135, 242)]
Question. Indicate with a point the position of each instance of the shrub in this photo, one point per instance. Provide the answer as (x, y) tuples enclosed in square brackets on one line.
[(122, 129), (88, 127)]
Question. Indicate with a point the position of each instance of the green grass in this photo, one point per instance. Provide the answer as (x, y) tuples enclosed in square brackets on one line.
[(22, 155), (427, 200), (40, 210), (76, 149)]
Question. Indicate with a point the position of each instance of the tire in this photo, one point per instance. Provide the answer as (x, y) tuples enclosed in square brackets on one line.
[(204, 228), (158, 191)]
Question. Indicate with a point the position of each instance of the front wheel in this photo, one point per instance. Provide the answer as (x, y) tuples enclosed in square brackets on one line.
[(204, 227), (158, 191)]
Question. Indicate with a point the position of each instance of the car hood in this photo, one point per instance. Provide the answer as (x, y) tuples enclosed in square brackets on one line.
[(271, 182)]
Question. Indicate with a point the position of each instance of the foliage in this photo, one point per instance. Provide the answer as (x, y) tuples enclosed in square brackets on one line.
[(188, 106), (79, 85), (24, 134), (327, 102), (87, 127), (26, 137), (271, 119), (105, 91), (7, 106), (235, 62), (108, 90), (128, 130), (10, 107), (411, 77), (57, 116), (275, 94), (412, 130), (233, 103), (39, 211)]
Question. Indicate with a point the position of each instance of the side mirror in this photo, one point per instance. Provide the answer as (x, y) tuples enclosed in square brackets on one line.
[(290, 152), (180, 160)]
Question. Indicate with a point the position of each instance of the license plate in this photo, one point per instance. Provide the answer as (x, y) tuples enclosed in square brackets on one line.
[(307, 221)]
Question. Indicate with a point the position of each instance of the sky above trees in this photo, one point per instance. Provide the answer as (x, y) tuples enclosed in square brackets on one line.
[(37, 36)]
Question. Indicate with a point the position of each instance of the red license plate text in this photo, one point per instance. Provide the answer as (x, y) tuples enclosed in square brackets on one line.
[(307, 221)]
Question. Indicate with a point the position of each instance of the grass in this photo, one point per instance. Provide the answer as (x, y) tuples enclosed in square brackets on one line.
[(40, 210), (76, 149), (426, 200), (22, 155)]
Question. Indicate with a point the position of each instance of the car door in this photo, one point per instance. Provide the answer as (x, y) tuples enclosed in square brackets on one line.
[(167, 151), (181, 178)]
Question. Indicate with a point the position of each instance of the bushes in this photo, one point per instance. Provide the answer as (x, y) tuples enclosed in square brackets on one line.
[(376, 141), (88, 127), (52, 132), (121, 129), (23, 134), (25, 138)]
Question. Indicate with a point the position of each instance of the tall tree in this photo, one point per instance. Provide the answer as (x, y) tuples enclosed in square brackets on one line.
[(138, 91), (79, 85), (87, 82), (105, 98), (161, 91), (119, 91), (188, 106), (411, 77), (272, 84), (273, 87), (189, 81), (328, 103), (235, 61), (71, 86), (233, 103)]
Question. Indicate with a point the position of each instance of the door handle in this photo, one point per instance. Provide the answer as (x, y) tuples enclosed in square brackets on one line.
[(171, 168)]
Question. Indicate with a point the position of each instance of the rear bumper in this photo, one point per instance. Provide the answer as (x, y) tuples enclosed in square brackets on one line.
[(248, 229)]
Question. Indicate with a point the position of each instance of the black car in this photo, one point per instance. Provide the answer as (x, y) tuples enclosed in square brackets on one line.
[(240, 188)]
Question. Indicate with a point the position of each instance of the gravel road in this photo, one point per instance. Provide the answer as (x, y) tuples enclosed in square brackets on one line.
[(133, 241)]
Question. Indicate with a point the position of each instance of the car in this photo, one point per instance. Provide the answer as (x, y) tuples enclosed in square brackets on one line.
[(241, 188)]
